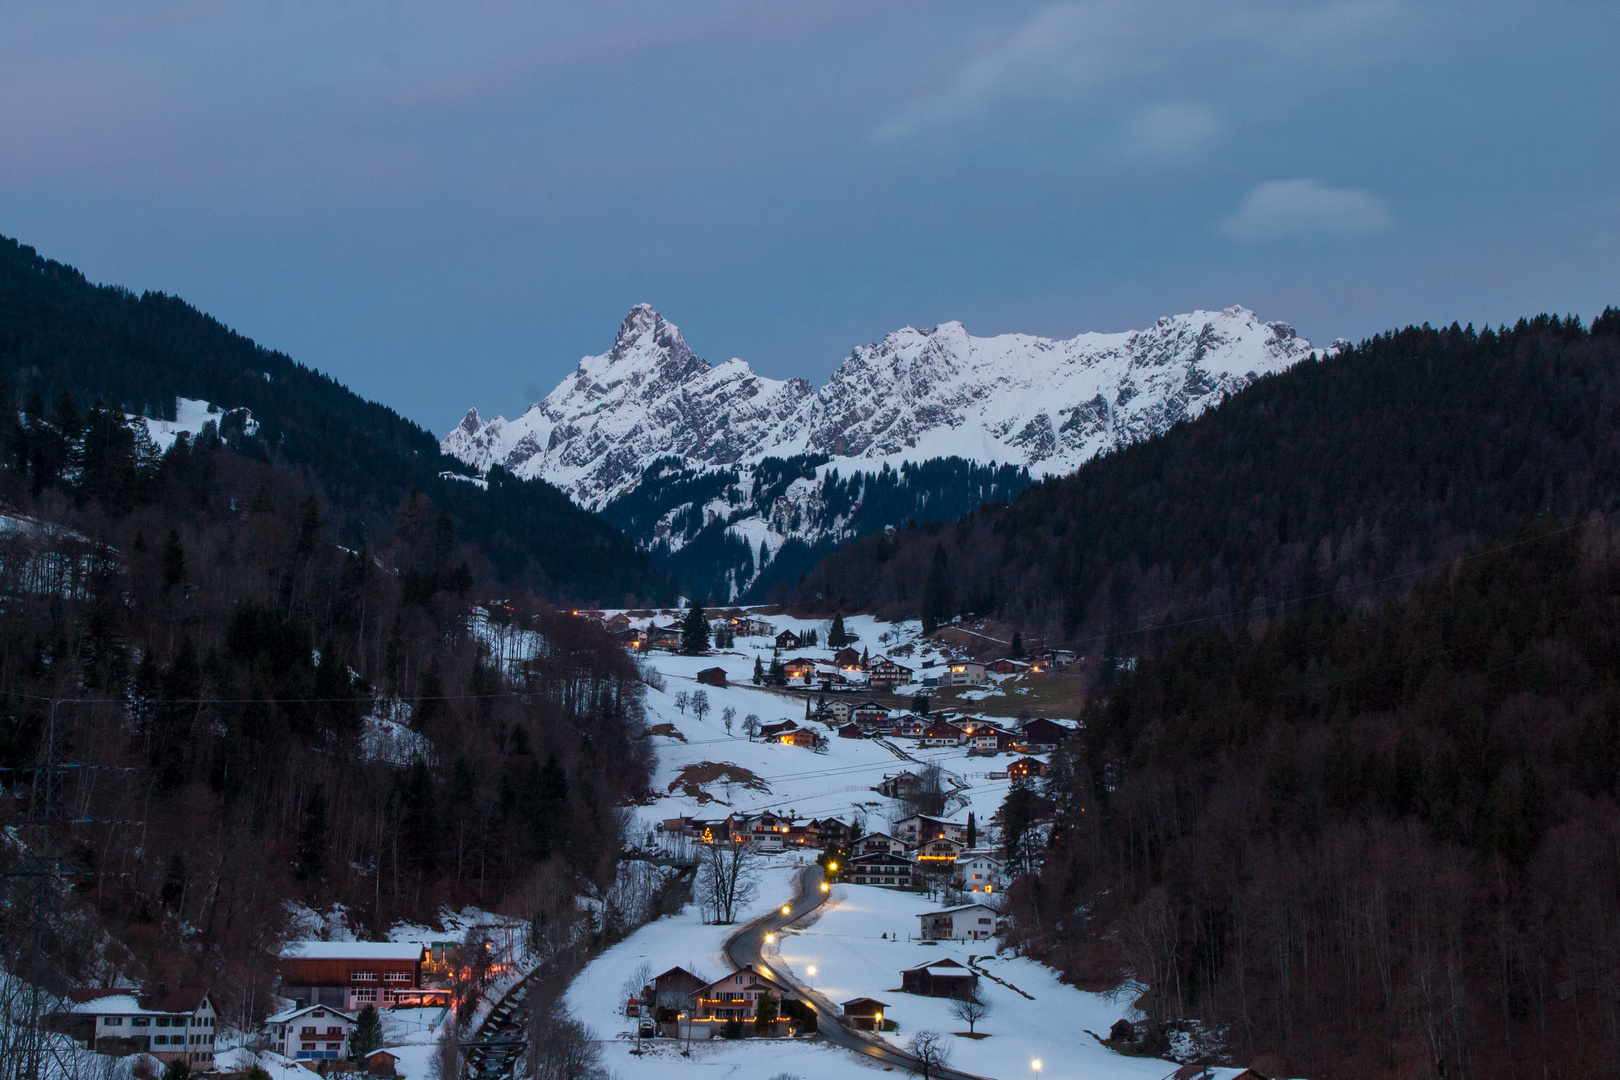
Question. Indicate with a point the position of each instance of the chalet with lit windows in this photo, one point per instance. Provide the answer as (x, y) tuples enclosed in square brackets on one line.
[(882, 868), (910, 726), (800, 671), (885, 674), (970, 922), (736, 996), (312, 1033), (942, 978), (1026, 768), (665, 637), (745, 626), (350, 975), (942, 733), (920, 828), (1006, 666), (977, 873), (768, 732), (834, 709), (987, 738), (171, 1025), (964, 673), (846, 657), (787, 639), (834, 833), (617, 624), (631, 638), (939, 854), (714, 676), (870, 715)]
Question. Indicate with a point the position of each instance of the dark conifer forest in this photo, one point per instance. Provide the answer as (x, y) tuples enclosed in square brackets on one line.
[(269, 667), (1345, 796)]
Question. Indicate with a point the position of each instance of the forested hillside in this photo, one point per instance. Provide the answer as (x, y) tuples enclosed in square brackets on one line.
[(1343, 476), (61, 334), (277, 669), (1362, 844)]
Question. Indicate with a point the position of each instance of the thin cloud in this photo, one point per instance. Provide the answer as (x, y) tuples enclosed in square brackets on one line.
[(1280, 209), (1172, 131)]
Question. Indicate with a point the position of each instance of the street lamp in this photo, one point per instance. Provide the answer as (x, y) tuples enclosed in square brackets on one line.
[(786, 908), (1036, 1065), (812, 970), (770, 939)]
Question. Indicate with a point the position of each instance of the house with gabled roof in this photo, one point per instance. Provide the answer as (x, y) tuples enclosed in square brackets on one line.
[(733, 996), (883, 868), (942, 978), (311, 1033), (171, 1025), (970, 922)]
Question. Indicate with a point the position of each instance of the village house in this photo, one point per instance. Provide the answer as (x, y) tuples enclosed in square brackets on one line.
[(747, 626), (870, 714), (312, 1033), (617, 624), (349, 975), (1006, 666), (799, 671), (885, 674), (939, 853), (669, 995), (978, 873), (964, 673), (851, 731), (664, 637), (794, 735), (631, 638), (171, 1025), (1059, 658), (899, 785), (768, 732), (863, 1014), (942, 733), (882, 868), (847, 657), (787, 639), (877, 842), (970, 922), (834, 833), (834, 710), (1040, 735), (735, 996), (909, 726), (714, 676), (920, 828), (1026, 768), (942, 978)]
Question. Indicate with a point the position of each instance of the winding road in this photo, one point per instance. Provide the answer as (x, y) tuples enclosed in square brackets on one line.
[(747, 947)]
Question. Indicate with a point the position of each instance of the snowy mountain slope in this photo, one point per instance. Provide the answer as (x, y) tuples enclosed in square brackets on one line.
[(917, 394), (648, 417)]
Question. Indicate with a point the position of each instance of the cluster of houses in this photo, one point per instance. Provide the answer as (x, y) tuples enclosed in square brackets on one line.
[(871, 719), (764, 831), (919, 849)]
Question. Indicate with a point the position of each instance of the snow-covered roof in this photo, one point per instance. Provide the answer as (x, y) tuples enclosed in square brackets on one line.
[(289, 1014), (128, 1001), (352, 950)]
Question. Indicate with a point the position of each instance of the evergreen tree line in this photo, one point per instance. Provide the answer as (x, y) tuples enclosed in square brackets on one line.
[(1344, 476), (1382, 842), (269, 714)]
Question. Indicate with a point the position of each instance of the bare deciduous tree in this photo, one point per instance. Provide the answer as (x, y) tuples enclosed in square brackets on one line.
[(725, 878), (562, 1048), (700, 704), (929, 1056), (971, 1009)]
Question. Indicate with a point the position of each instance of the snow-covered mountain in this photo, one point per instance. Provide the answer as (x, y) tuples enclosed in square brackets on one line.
[(915, 396)]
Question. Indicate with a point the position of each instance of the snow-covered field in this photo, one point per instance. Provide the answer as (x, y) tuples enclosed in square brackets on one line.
[(792, 779), (846, 945)]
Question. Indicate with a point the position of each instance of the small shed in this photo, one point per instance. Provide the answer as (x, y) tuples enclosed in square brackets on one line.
[(714, 676), (864, 1014), (851, 731), (381, 1063)]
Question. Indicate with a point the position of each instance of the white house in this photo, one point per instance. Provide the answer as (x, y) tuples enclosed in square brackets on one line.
[(880, 844), (312, 1033), (171, 1025), (978, 874), (970, 922), (965, 673)]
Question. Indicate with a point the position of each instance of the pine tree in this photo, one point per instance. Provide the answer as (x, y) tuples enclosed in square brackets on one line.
[(695, 631), (1017, 645), (972, 832), (759, 671), (837, 638), (367, 1033)]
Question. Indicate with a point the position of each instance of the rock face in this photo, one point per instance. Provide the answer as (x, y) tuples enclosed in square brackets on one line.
[(916, 395)]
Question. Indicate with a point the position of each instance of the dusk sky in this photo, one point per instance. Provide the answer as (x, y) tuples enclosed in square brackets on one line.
[(446, 205)]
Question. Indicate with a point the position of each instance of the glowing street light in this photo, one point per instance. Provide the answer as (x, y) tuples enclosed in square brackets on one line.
[(786, 908), (825, 886), (770, 938), (812, 971), (832, 867), (1036, 1065)]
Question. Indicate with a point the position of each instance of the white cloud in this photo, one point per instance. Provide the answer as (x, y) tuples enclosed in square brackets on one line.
[(1172, 131), (1278, 209)]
